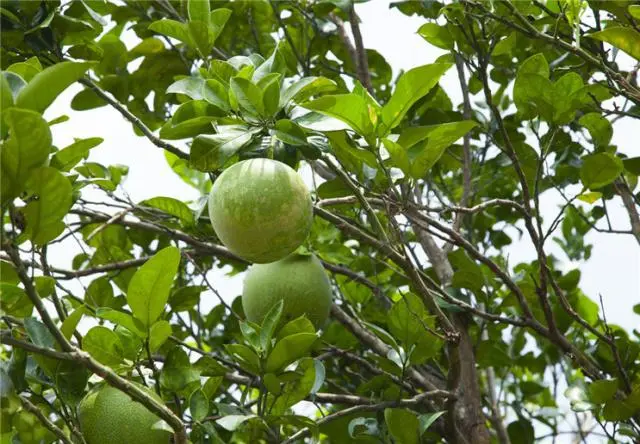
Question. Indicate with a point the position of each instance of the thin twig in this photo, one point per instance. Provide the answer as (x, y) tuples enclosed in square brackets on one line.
[(362, 64), (411, 402), (379, 347), (630, 206), (44, 420), (133, 119), (466, 150), (101, 227)]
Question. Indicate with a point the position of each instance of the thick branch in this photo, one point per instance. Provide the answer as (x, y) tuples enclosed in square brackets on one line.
[(466, 411), (496, 419), (112, 378), (85, 359), (35, 299)]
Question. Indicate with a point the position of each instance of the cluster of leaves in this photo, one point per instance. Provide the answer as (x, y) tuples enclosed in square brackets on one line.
[(240, 79)]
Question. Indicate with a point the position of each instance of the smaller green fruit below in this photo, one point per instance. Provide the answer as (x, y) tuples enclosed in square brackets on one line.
[(261, 210), (299, 280), (108, 415)]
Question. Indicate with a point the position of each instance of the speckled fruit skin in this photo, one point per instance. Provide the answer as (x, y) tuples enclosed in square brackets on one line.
[(108, 415), (261, 210), (299, 280)]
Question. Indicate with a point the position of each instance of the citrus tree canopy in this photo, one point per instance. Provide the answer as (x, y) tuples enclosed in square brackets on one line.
[(411, 242)]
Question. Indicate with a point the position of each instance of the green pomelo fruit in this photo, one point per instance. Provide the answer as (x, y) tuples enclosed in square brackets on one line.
[(261, 210), (299, 280), (108, 415)]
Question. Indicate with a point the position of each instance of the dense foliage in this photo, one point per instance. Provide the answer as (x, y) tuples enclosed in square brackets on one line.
[(434, 335)]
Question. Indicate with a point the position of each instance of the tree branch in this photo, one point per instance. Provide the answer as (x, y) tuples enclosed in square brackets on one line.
[(462, 376), (201, 247), (466, 150), (403, 262), (85, 359), (579, 357), (133, 119), (362, 64), (379, 347), (44, 420), (627, 89), (32, 293), (298, 57), (377, 202), (7, 338), (320, 397), (112, 378), (541, 287), (411, 402), (370, 367), (363, 201), (346, 41), (630, 206), (114, 266)]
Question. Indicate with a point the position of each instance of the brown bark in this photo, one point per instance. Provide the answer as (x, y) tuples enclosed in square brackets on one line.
[(470, 424), (465, 419)]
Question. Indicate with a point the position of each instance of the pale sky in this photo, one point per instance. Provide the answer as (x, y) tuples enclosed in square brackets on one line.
[(612, 271)]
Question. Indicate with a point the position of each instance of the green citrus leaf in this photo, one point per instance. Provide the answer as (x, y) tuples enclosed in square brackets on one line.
[(403, 425), (70, 156), (104, 345), (411, 87), (45, 86), (171, 206), (150, 286), (288, 350), (600, 169), (626, 39), (351, 109), (26, 149), (158, 334), (44, 215), (436, 35)]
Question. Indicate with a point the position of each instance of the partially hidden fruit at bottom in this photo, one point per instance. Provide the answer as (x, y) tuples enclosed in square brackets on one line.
[(108, 415), (260, 209), (299, 280)]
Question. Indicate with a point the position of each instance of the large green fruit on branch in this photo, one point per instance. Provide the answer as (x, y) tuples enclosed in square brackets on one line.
[(261, 210), (299, 280), (108, 415)]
